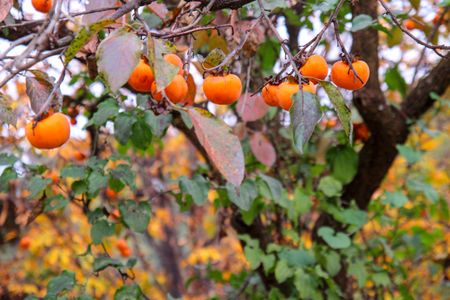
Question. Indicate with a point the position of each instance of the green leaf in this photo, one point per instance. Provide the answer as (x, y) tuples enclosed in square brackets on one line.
[(82, 37), (298, 258), (283, 271), (106, 110), (335, 241), (124, 173), (395, 81), (64, 282), (416, 4), (244, 196), (135, 215), (268, 53), (117, 56), (36, 185), (79, 187), (395, 199), (55, 202), (302, 202), (164, 71), (129, 292), (268, 262), (352, 216), (306, 285), (96, 181), (73, 171), (330, 186), (101, 229), (360, 22), (343, 112), (426, 189), (332, 263), (358, 270), (102, 262), (158, 124), (410, 154), (123, 127), (197, 188), (141, 135), (253, 255), (214, 58), (381, 279), (274, 186), (344, 163), (186, 119), (305, 114), (8, 174), (7, 159), (395, 36)]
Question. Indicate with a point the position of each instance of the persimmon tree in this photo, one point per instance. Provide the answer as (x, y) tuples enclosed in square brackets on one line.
[(288, 161)]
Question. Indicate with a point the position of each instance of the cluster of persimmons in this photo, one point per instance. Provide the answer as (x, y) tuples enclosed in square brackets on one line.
[(53, 129), (315, 69)]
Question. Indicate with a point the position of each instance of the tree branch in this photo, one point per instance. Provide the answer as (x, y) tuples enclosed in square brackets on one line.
[(221, 4)]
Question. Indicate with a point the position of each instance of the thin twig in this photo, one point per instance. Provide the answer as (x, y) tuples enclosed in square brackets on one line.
[(235, 50), (417, 40), (429, 38), (283, 45)]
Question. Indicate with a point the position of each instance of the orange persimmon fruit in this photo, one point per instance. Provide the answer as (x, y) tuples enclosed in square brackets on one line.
[(176, 91), (142, 77), (223, 90), (49, 133), (344, 77), (25, 243), (269, 94), (42, 6), (287, 89), (175, 60), (314, 68)]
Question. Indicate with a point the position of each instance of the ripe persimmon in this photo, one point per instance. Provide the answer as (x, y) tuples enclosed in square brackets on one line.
[(110, 193), (174, 60), (121, 244), (25, 243), (344, 77), (42, 6), (361, 131), (287, 89), (80, 156), (49, 133), (142, 77), (269, 94), (410, 24), (73, 121), (222, 90), (126, 252), (176, 91), (315, 67)]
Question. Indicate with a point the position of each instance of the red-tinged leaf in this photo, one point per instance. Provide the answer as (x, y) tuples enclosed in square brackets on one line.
[(251, 108), (240, 130), (117, 56), (5, 7), (159, 9), (89, 19), (222, 147), (38, 89), (192, 91), (263, 149)]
